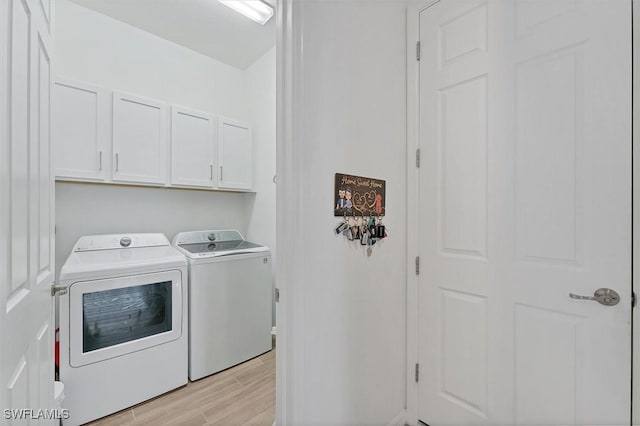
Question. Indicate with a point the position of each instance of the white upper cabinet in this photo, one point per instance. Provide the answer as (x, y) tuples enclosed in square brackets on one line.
[(79, 130), (139, 139), (131, 139), (193, 148), (235, 154)]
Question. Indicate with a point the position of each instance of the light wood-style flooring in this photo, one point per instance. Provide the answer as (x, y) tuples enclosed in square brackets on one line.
[(242, 395)]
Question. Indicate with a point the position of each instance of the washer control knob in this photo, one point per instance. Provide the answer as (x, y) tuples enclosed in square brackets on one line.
[(125, 241), (211, 237)]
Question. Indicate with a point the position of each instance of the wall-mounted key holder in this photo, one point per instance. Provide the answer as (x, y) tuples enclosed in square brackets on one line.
[(361, 203), (367, 230), (358, 195)]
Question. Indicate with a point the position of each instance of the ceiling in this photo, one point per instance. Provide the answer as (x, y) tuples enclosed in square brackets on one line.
[(206, 26)]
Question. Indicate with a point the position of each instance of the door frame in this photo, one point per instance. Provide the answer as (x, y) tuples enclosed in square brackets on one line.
[(413, 202), (635, 250), (414, 8), (5, 162), (289, 224)]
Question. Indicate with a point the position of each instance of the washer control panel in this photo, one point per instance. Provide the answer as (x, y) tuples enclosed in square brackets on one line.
[(120, 241)]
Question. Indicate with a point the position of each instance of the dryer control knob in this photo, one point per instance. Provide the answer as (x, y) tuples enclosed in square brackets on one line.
[(211, 237), (125, 241)]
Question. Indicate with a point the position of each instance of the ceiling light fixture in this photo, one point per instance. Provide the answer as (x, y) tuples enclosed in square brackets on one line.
[(256, 10)]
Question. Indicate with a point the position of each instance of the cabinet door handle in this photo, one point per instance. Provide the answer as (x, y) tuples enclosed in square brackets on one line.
[(221, 173), (117, 162), (210, 171), (100, 165)]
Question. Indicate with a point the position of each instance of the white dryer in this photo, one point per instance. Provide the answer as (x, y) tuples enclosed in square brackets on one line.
[(230, 288), (123, 323)]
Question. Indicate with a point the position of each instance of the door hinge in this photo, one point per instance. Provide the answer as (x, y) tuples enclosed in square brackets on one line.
[(418, 51), (417, 372), (277, 296), (418, 158), (58, 289), (633, 299), (417, 265)]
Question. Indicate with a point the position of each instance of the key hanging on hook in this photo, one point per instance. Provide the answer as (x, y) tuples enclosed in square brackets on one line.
[(348, 232), (364, 238), (355, 228), (342, 226), (380, 229)]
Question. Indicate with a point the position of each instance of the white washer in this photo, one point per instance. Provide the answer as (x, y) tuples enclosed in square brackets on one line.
[(230, 285), (123, 323)]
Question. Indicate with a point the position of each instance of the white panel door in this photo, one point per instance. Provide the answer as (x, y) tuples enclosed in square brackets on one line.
[(139, 139), (525, 197), (26, 218), (235, 154), (193, 148), (80, 129)]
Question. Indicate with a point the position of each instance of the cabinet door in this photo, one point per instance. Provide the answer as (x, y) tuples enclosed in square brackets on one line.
[(139, 139), (79, 130), (193, 154), (235, 154)]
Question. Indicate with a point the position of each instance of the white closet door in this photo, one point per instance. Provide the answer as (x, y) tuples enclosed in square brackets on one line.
[(80, 129), (26, 209), (525, 197), (235, 154), (193, 148), (139, 139)]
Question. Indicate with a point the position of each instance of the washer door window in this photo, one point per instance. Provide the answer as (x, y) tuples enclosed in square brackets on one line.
[(117, 316)]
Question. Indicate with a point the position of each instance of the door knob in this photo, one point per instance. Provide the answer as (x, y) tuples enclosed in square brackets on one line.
[(604, 296)]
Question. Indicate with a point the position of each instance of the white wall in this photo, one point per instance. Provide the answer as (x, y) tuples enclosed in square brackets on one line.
[(345, 311), (261, 206), (95, 48), (261, 96), (101, 50), (85, 209)]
